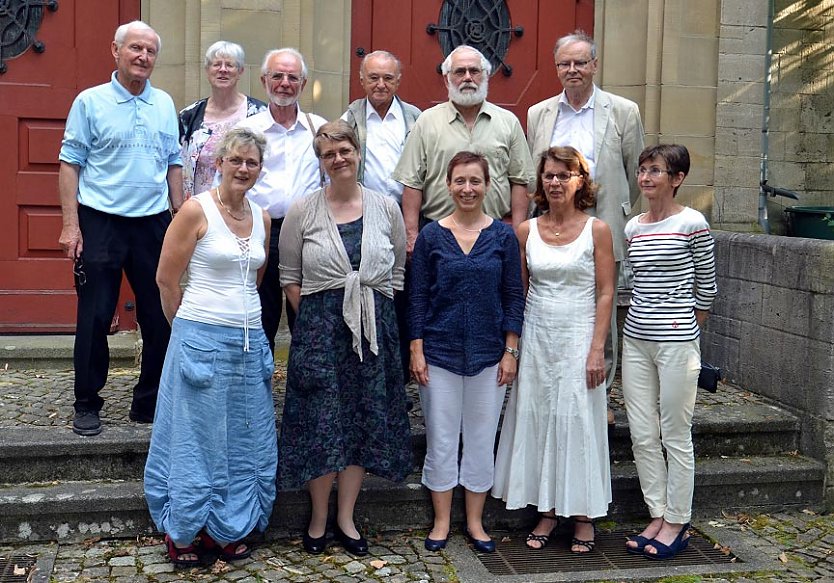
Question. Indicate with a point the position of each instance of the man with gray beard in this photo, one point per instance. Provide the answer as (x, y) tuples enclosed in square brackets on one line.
[(466, 122)]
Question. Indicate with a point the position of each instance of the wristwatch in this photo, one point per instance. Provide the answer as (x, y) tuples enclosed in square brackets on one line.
[(513, 351)]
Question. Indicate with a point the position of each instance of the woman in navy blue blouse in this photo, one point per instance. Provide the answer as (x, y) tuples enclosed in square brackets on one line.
[(465, 318)]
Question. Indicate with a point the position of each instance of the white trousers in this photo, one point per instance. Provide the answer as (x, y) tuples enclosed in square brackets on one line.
[(454, 405), (659, 384)]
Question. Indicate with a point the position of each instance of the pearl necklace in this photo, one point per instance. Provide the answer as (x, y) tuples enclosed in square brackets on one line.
[(225, 208), (459, 226)]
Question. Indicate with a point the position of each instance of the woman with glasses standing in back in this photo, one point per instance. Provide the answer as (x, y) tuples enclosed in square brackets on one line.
[(671, 252), (342, 257), (553, 451), (211, 466), (204, 123)]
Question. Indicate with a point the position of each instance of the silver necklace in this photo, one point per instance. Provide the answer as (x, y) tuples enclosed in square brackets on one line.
[(225, 208), (459, 226)]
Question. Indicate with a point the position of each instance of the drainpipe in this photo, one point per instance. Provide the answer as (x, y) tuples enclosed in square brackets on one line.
[(766, 121)]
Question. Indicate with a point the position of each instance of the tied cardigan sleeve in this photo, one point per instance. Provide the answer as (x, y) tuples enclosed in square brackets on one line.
[(313, 255)]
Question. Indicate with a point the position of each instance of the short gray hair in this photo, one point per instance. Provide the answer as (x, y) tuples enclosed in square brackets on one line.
[(577, 36), (240, 137), (225, 48), (121, 33), (446, 67), (379, 53), (289, 51)]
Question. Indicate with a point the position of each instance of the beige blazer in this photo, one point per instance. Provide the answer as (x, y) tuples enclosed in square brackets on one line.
[(618, 141)]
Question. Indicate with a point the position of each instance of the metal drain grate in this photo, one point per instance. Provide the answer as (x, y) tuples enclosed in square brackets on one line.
[(514, 558), (17, 568)]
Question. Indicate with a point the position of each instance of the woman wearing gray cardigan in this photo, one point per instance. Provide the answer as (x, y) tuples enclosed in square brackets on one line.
[(342, 252)]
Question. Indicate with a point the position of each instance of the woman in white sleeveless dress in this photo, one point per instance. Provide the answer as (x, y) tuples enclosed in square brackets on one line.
[(553, 451)]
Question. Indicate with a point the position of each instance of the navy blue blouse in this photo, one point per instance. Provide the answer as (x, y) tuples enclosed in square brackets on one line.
[(462, 305)]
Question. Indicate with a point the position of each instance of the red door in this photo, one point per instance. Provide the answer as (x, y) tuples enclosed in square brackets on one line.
[(518, 33), (36, 91)]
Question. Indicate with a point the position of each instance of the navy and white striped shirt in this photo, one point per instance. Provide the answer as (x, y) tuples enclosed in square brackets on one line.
[(674, 274)]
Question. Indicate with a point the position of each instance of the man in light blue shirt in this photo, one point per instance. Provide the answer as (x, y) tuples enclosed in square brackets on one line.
[(119, 179)]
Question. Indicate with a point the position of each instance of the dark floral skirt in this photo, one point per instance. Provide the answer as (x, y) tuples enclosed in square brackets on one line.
[(340, 411)]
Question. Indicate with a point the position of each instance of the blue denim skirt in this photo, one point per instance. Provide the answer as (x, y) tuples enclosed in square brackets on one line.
[(213, 452)]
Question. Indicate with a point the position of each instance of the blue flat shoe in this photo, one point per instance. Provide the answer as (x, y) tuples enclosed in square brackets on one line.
[(482, 546), (641, 544), (435, 545), (666, 552)]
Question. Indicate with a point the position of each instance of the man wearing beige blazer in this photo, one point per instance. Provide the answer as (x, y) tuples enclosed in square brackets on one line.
[(607, 130)]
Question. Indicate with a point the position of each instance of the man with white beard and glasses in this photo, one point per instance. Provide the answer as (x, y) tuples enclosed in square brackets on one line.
[(290, 166), (466, 122)]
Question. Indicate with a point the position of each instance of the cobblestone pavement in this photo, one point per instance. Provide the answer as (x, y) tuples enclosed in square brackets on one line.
[(791, 546)]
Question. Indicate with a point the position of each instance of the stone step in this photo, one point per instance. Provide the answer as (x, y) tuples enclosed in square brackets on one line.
[(55, 351), (32, 454), (74, 511)]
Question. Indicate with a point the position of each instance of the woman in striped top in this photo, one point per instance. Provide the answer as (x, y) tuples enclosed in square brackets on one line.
[(671, 253)]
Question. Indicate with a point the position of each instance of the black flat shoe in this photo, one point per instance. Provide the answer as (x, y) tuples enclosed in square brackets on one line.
[(482, 546), (314, 546), (355, 546)]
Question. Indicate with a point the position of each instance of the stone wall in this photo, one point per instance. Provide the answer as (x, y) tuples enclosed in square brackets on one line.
[(772, 328), (801, 145)]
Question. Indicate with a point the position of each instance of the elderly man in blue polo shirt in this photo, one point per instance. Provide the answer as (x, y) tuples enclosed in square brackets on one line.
[(120, 177)]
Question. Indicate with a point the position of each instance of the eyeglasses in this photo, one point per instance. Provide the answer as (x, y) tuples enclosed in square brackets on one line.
[(238, 162), (653, 172), (330, 155), (387, 79), (562, 177), (217, 65), (78, 272), (279, 78), (462, 71), (566, 65)]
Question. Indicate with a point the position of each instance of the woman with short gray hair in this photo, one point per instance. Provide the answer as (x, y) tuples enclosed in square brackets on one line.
[(204, 123)]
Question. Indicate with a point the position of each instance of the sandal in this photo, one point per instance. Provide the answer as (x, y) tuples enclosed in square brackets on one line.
[(541, 539), (588, 544), (666, 552), (178, 554), (229, 552)]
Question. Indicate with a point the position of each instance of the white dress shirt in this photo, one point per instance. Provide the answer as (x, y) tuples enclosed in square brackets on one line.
[(291, 168), (576, 128)]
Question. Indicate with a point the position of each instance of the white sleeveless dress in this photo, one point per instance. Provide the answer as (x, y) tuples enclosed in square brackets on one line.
[(553, 451)]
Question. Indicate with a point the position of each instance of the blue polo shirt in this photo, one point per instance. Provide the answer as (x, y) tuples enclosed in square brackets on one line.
[(124, 145), (462, 305)]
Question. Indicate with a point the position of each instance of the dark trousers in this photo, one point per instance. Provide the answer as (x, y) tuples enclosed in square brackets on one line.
[(113, 244), (272, 298)]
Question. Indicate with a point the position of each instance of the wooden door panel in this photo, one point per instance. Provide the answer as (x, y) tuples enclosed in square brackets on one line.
[(401, 27), (36, 92)]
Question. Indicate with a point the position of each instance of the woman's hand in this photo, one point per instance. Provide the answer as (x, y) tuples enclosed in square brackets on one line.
[(595, 368), (507, 368), (419, 368)]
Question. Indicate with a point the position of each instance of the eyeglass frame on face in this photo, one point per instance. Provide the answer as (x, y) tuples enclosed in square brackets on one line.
[(217, 65), (561, 177), (343, 152), (279, 76), (238, 162), (578, 65), (387, 79), (460, 72), (653, 172)]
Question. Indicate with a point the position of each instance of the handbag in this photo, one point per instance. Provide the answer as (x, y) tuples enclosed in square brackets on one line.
[(709, 377)]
